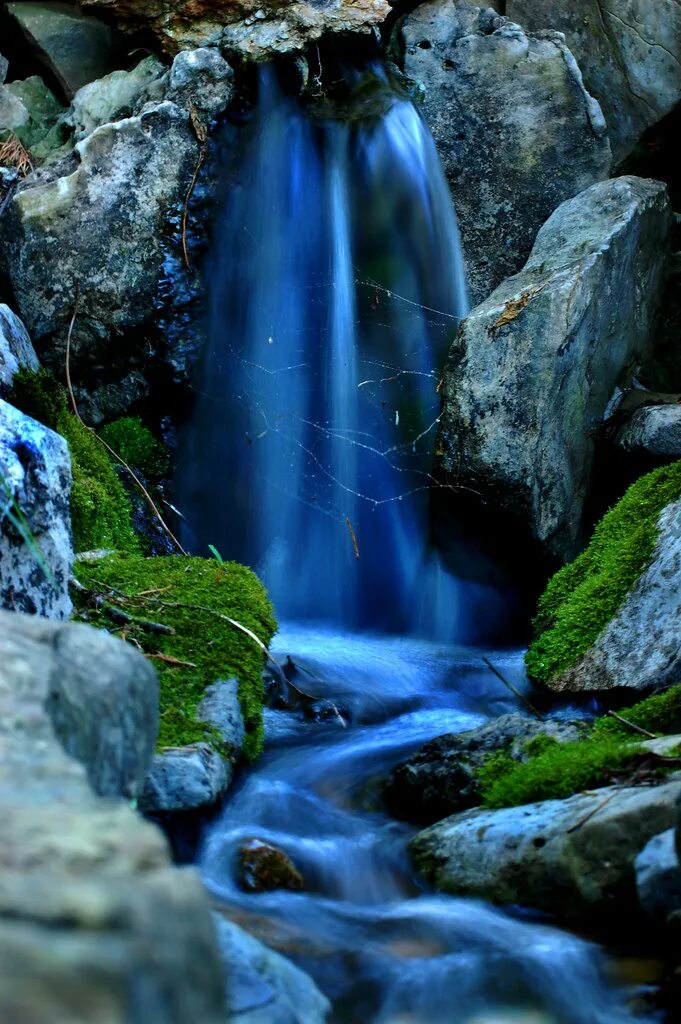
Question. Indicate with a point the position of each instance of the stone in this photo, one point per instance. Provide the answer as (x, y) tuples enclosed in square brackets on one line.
[(186, 779), (247, 29), (16, 348), (220, 708), (265, 868), (653, 430), (101, 696), (202, 78), (263, 987), (36, 548), (440, 778), (658, 876), (84, 881), (74, 48), (628, 51), (639, 648), (4, 66), (114, 96), (571, 858), (39, 121), (126, 195), (532, 369), (517, 132)]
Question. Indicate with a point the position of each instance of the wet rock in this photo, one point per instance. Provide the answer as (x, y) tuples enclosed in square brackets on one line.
[(113, 97), (440, 779), (16, 349), (186, 779), (4, 65), (532, 368), (74, 48), (639, 649), (220, 707), (517, 132), (658, 876), (572, 858), (202, 78), (264, 868), (263, 987), (628, 51), (36, 549), (249, 29), (653, 430), (101, 695)]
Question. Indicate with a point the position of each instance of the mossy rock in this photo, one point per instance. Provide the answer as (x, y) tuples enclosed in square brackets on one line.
[(193, 597), (583, 597), (137, 446)]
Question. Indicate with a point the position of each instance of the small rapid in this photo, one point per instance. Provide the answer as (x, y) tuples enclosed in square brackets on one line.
[(382, 949)]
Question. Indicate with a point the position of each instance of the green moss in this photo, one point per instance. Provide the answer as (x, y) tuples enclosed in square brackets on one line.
[(137, 446), (100, 507), (660, 713), (208, 646), (582, 598)]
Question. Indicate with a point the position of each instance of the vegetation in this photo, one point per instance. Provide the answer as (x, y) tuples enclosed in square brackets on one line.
[(582, 598), (190, 599), (137, 446)]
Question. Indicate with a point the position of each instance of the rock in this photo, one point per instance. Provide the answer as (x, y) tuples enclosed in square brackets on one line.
[(84, 881), (38, 111), (36, 550), (639, 648), (113, 97), (628, 51), (653, 430), (264, 868), (200, 77), (532, 368), (16, 349), (220, 708), (440, 779), (571, 858), (186, 779), (4, 65), (515, 128), (247, 29), (101, 696), (658, 876), (74, 48), (126, 195), (262, 986)]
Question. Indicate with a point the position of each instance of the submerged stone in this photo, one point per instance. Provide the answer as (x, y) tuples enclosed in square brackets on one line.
[(264, 868)]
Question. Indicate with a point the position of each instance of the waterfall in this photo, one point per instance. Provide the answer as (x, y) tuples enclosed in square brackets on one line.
[(336, 285)]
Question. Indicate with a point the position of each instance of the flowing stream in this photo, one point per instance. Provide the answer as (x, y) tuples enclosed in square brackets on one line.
[(337, 283)]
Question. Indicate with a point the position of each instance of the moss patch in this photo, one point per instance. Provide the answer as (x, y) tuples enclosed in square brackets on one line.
[(583, 597), (100, 508), (660, 714), (137, 446), (208, 647)]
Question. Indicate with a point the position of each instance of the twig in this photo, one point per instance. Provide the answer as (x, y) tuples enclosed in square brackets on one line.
[(150, 501), (122, 618), (513, 689), (202, 137), (168, 660), (594, 810), (353, 537), (632, 725)]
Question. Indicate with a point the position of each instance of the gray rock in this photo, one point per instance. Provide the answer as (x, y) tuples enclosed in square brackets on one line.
[(262, 986), (36, 549), (114, 96), (16, 349), (572, 858), (220, 708), (108, 402), (186, 779), (639, 649), (84, 881), (653, 430), (75, 49), (37, 113), (101, 696), (202, 78), (440, 779), (516, 130), (658, 876), (4, 65), (532, 368), (629, 53)]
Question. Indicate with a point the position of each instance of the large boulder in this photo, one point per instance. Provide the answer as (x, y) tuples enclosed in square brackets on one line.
[(75, 49), (84, 881), (16, 349), (653, 430), (639, 649), (441, 778), (62, 240), (250, 29), (532, 368), (36, 549), (517, 132), (658, 876), (572, 858), (628, 51)]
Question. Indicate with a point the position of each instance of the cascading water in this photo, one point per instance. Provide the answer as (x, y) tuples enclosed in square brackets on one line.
[(336, 289), (336, 286)]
